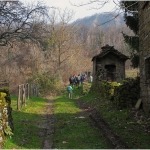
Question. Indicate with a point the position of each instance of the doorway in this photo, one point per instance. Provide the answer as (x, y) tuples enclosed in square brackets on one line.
[(111, 70)]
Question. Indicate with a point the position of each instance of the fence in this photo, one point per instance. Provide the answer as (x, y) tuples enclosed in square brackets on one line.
[(4, 84), (24, 92)]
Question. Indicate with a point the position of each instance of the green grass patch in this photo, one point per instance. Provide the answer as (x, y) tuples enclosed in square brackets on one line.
[(73, 132), (26, 130)]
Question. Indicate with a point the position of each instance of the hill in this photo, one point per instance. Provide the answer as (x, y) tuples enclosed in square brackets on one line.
[(102, 19)]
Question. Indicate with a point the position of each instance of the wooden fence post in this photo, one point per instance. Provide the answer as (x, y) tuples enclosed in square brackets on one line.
[(28, 90), (18, 100), (24, 94), (31, 89)]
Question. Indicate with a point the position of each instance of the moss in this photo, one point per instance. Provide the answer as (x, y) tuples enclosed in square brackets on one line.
[(5, 115), (123, 95), (127, 94)]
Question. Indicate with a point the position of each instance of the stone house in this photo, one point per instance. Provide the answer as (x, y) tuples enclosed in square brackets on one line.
[(112, 62), (144, 47)]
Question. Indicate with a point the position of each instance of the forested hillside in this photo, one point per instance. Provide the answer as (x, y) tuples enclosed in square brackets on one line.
[(48, 49), (103, 19)]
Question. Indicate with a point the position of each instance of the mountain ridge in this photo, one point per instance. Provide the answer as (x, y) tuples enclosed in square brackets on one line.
[(101, 19)]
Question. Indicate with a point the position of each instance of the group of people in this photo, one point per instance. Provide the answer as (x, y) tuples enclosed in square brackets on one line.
[(76, 80)]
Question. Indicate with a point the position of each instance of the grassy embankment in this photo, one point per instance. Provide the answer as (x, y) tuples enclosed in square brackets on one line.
[(122, 122), (131, 130), (26, 130)]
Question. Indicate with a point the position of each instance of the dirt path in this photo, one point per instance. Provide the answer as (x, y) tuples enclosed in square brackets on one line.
[(47, 124)]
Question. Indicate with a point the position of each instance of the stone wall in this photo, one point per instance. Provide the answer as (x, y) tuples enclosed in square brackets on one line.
[(6, 121), (144, 38)]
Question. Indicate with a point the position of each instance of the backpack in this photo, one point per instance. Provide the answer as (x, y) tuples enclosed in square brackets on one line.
[(68, 88), (78, 77), (82, 77), (72, 79)]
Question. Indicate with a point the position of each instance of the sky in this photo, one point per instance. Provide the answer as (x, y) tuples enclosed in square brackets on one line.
[(80, 12)]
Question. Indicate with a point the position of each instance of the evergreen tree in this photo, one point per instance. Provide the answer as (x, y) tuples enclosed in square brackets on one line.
[(131, 19)]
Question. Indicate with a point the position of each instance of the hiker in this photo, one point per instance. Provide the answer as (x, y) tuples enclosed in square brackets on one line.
[(91, 78), (78, 80), (70, 89), (85, 76), (82, 78), (71, 80), (75, 79)]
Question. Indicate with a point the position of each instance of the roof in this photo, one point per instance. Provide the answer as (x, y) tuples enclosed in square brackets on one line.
[(110, 49)]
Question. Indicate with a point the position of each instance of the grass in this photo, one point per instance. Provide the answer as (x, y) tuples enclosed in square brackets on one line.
[(73, 132), (132, 73), (121, 121), (26, 130)]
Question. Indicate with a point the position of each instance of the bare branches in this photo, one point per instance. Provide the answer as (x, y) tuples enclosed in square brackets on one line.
[(17, 20), (61, 42), (118, 9), (127, 8), (100, 3)]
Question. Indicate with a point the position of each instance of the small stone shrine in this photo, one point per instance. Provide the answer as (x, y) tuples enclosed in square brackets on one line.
[(109, 64)]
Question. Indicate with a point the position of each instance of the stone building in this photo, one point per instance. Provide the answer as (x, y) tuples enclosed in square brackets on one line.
[(144, 38), (112, 62)]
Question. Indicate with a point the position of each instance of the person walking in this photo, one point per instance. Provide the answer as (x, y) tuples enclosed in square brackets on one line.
[(78, 80), (82, 78), (91, 78), (71, 80), (70, 89)]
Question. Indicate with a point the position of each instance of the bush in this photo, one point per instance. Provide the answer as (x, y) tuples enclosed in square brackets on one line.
[(103, 88), (127, 94), (46, 83), (123, 95)]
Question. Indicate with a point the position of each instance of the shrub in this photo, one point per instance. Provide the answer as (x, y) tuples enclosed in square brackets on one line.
[(46, 83), (127, 94), (103, 88)]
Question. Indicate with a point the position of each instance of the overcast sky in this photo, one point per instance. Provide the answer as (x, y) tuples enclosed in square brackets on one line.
[(80, 12)]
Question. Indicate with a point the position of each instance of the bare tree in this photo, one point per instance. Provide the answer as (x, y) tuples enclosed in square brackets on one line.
[(63, 45), (19, 21)]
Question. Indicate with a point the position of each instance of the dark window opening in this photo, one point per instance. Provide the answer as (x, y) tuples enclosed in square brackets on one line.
[(111, 71)]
